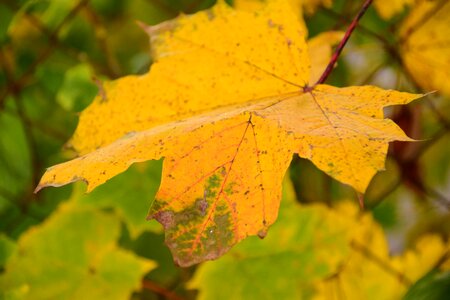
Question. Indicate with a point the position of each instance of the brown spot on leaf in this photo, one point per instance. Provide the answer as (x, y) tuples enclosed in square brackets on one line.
[(166, 218)]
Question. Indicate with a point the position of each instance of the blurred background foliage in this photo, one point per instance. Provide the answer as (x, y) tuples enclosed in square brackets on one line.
[(63, 243)]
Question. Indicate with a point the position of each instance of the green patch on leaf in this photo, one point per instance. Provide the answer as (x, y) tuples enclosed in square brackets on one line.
[(203, 230)]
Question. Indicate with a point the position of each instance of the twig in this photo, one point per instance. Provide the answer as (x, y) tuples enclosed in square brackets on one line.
[(23, 80), (361, 28), (32, 146), (343, 42), (35, 165), (424, 146), (425, 18), (382, 264), (428, 191), (441, 118), (172, 13), (151, 286), (112, 65), (70, 50), (383, 195)]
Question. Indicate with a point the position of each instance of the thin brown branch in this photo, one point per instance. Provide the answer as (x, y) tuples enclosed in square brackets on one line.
[(424, 146), (330, 12), (442, 260), (372, 203), (44, 55), (403, 279), (164, 7), (194, 6), (40, 126), (70, 50), (441, 118), (343, 42), (112, 65), (156, 288), (429, 192), (425, 18), (32, 147), (35, 165)]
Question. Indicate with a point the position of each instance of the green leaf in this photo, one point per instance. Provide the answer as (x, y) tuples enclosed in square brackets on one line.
[(56, 12), (129, 194), (76, 88), (73, 255), (434, 286), (315, 252), (15, 161), (7, 247), (5, 18)]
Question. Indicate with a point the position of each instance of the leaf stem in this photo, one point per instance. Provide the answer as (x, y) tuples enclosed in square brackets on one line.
[(341, 45)]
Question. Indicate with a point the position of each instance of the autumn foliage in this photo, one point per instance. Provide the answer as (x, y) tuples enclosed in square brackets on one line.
[(231, 97)]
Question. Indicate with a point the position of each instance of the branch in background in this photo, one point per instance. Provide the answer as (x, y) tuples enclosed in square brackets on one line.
[(164, 7), (384, 194), (343, 42), (155, 288), (35, 165), (32, 146), (360, 28), (73, 52), (112, 65), (382, 264)]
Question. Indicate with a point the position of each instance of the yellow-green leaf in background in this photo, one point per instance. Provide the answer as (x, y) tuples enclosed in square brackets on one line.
[(387, 9), (371, 273), (7, 247), (316, 252), (310, 6), (320, 49), (73, 255), (424, 40)]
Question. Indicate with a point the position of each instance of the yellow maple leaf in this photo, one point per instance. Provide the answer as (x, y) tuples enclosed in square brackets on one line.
[(424, 40), (224, 104)]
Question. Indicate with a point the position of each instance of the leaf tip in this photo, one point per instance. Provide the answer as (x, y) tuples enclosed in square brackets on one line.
[(38, 188), (142, 25)]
